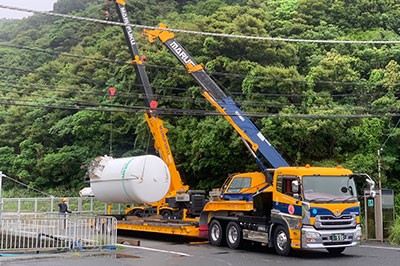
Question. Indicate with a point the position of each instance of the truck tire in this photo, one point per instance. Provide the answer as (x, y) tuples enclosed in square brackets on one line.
[(137, 212), (281, 240), (335, 251), (215, 233), (166, 214), (234, 235)]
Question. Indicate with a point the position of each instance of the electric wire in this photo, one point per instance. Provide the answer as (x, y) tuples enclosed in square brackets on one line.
[(181, 99), (48, 75), (106, 22), (25, 185), (390, 135), (255, 94), (189, 112), (223, 74)]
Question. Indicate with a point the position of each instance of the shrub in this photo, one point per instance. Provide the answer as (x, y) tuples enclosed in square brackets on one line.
[(394, 233)]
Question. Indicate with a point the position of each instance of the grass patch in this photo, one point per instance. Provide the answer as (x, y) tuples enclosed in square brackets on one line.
[(394, 233)]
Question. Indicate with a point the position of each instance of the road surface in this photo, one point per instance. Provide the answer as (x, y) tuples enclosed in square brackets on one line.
[(160, 250)]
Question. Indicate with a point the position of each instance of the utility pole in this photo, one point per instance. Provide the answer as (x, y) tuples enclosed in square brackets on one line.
[(379, 168), (1, 199)]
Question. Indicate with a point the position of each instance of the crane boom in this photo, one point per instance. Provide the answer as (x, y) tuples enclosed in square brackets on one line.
[(155, 124), (217, 97)]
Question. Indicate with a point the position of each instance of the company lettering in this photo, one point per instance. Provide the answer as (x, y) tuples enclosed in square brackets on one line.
[(128, 29), (165, 140), (181, 54)]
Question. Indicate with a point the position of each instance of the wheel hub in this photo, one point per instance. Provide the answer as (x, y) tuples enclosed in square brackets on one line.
[(282, 241), (215, 233), (232, 234)]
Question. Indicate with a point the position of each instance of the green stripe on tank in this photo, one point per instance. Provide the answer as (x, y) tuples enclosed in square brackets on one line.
[(123, 177)]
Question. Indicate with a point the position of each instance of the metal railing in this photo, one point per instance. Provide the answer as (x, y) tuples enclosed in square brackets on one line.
[(62, 232), (43, 206)]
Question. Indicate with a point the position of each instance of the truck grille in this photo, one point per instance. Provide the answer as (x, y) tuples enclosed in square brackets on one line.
[(332, 222)]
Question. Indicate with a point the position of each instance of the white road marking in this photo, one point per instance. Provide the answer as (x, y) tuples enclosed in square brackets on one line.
[(366, 246), (156, 250)]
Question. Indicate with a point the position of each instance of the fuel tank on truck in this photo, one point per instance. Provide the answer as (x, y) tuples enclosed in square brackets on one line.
[(140, 179)]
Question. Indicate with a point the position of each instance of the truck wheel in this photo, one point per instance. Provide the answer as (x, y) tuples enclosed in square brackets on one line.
[(138, 213), (234, 235), (282, 241), (166, 214), (215, 233), (335, 251)]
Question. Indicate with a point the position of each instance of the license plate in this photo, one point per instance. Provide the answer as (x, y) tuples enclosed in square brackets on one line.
[(338, 237)]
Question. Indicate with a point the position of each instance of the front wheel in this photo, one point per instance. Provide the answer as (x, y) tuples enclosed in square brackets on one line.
[(234, 235), (215, 233), (335, 251), (282, 241)]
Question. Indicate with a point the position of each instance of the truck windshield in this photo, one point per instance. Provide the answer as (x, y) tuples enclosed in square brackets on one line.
[(329, 189)]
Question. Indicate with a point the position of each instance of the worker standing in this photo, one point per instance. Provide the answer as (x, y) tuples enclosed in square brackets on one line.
[(63, 207), (62, 212)]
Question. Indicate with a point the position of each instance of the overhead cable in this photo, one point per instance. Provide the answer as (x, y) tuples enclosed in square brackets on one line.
[(194, 32), (223, 74), (168, 98), (25, 185), (189, 112)]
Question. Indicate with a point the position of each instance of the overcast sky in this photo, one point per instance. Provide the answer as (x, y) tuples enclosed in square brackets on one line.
[(43, 5)]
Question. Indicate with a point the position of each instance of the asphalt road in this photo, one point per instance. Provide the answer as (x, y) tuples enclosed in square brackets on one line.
[(159, 250)]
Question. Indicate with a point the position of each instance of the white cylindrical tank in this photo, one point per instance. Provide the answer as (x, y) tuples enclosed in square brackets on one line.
[(140, 179)]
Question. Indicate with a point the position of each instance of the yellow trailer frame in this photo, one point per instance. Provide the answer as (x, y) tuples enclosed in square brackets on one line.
[(161, 228)]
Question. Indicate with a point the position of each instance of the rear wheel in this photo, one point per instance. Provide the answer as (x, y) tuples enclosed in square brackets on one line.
[(335, 251), (282, 241), (215, 233), (234, 235)]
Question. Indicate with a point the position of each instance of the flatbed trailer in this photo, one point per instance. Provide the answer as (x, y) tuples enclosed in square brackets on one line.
[(160, 226)]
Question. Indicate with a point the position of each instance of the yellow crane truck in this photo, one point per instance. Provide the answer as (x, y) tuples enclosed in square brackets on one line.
[(284, 207)]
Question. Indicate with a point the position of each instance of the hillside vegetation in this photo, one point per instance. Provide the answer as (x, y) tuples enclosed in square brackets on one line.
[(331, 83)]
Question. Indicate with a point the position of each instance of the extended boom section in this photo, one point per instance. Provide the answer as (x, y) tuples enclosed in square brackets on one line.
[(137, 59), (217, 97), (179, 202)]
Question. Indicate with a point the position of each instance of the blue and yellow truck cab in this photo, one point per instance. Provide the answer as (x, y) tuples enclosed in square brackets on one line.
[(302, 208)]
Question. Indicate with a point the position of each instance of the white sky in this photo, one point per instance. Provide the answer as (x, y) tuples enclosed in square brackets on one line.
[(43, 5)]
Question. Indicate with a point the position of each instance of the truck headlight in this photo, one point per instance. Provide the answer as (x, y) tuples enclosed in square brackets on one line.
[(358, 234), (312, 236)]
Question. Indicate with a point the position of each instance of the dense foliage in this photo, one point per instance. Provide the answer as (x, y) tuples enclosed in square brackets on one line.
[(49, 147)]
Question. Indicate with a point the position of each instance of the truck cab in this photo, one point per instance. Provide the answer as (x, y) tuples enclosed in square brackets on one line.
[(305, 208)]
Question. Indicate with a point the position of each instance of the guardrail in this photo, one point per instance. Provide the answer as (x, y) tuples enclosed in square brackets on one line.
[(57, 231), (49, 205)]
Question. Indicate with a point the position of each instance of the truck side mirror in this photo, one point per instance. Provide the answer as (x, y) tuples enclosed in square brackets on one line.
[(295, 186)]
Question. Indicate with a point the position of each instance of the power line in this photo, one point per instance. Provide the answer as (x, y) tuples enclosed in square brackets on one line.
[(190, 112), (223, 74), (233, 93), (182, 99), (46, 74), (195, 32), (25, 185), (390, 135)]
